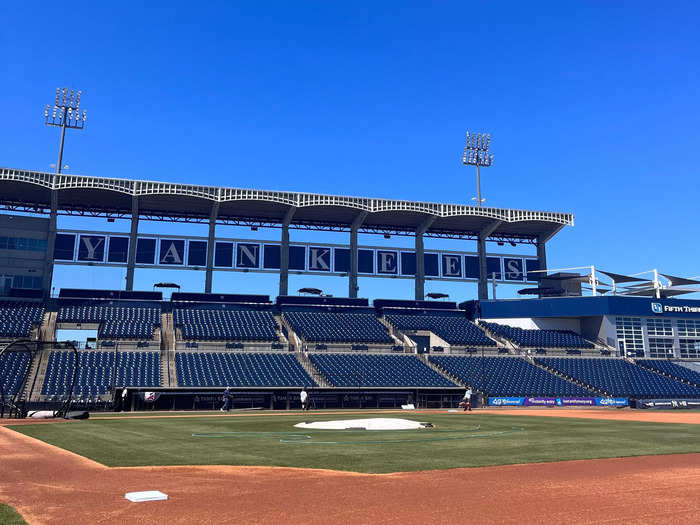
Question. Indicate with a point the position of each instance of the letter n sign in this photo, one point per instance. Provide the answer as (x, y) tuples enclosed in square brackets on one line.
[(172, 252), (319, 259), (91, 248), (247, 255)]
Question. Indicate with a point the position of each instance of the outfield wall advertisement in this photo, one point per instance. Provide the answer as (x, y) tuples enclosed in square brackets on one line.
[(559, 401), (157, 251)]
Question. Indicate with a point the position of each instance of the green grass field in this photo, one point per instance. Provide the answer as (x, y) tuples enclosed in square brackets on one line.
[(9, 516), (272, 440)]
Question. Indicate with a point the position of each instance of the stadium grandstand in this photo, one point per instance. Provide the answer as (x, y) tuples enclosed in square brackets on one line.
[(638, 342)]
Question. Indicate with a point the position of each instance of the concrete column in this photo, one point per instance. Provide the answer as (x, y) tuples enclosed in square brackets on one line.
[(483, 288), (213, 214), (542, 255), (352, 275), (420, 261), (133, 238), (51, 243), (284, 252)]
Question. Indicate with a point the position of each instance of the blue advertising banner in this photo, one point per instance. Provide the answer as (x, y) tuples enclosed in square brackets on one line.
[(506, 401), (76, 247), (612, 401)]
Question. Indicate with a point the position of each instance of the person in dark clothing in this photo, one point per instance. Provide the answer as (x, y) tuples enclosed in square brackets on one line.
[(227, 400)]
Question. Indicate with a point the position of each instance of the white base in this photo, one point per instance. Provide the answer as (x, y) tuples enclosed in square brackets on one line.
[(377, 423), (146, 495)]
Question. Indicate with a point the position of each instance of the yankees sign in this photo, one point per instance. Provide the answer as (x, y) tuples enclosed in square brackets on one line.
[(112, 249)]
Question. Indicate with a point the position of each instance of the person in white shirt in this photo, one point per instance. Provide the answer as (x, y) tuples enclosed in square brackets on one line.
[(304, 396), (466, 403)]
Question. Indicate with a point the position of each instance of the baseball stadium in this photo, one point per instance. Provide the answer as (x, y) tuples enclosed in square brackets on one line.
[(199, 327), (198, 396)]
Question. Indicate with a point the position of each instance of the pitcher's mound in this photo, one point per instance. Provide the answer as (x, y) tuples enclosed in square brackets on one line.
[(377, 423)]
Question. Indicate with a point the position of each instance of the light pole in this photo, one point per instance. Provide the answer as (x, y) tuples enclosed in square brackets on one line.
[(65, 114), (476, 153)]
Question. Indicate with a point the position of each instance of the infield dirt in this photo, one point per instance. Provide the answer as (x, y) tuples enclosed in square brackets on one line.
[(49, 485)]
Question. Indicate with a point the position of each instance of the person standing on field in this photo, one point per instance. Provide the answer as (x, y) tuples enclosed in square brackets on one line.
[(227, 400), (304, 396), (466, 403)]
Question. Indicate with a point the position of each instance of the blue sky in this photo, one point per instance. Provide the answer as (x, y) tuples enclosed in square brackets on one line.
[(592, 107)]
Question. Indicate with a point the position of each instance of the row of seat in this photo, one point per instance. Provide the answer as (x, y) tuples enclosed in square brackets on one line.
[(619, 377), (232, 324), (539, 338), (452, 326), (13, 368), (209, 369), (338, 327), (98, 373), (377, 370), (671, 369), (18, 317), (508, 376)]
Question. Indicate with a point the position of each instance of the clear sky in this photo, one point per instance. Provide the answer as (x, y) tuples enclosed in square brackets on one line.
[(592, 107)]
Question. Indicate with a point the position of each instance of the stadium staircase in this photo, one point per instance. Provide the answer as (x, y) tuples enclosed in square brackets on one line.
[(168, 375), (502, 341), (444, 373), (312, 370), (292, 337), (280, 332), (399, 337)]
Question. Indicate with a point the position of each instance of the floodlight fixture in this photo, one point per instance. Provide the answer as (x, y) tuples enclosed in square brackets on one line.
[(65, 114), (476, 153)]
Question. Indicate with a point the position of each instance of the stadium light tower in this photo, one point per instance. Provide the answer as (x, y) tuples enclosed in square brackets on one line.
[(65, 115), (476, 153)]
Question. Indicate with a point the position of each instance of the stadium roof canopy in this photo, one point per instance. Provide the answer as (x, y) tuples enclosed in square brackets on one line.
[(30, 191)]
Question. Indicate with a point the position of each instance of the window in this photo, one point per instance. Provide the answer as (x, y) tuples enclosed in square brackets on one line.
[(659, 327), (688, 328), (629, 330), (20, 243), (660, 347), (690, 348)]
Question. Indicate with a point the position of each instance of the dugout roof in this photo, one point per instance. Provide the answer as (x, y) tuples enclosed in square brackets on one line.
[(23, 190)]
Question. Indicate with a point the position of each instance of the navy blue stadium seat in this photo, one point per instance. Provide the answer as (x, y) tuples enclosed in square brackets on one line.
[(337, 325), (539, 338), (202, 369), (377, 370), (671, 369), (17, 317), (619, 377), (117, 319), (13, 367), (508, 376), (452, 326), (97, 373), (225, 322)]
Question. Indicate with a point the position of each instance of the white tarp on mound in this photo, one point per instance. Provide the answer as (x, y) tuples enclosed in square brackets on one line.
[(377, 423)]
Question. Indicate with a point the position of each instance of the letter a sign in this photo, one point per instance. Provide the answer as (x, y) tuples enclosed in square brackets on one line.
[(172, 251)]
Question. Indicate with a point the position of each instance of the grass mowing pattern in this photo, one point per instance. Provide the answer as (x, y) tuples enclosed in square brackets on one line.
[(169, 441), (9, 516)]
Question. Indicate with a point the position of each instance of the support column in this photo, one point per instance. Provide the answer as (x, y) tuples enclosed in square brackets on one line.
[(542, 240), (51, 244), (483, 289), (133, 237), (353, 287), (541, 254), (213, 215), (420, 260), (284, 252)]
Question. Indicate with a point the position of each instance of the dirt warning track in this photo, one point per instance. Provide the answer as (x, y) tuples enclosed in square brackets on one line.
[(48, 485)]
